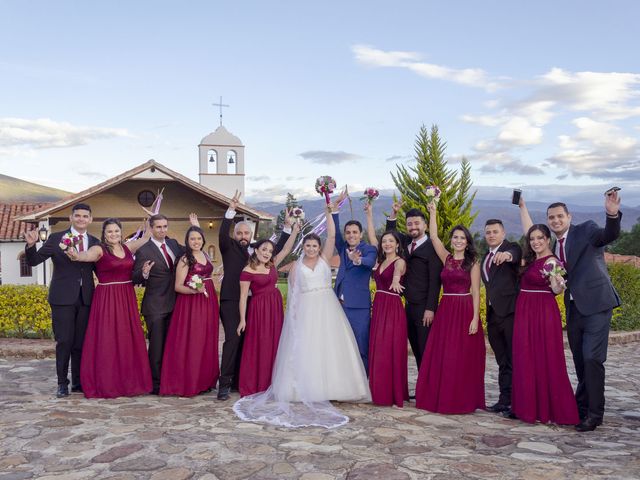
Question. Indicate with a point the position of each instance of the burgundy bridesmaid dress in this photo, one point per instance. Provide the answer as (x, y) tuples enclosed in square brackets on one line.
[(388, 344), (451, 375), (190, 359), (541, 388), (264, 318), (114, 356)]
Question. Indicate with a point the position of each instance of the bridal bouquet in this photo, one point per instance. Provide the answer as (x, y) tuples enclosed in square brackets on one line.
[(324, 186), (553, 268), (370, 194), (433, 194), (68, 240), (298, 214), (197, 283)]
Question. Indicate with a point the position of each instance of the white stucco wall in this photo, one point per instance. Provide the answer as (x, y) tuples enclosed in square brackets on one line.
[(10, 266)]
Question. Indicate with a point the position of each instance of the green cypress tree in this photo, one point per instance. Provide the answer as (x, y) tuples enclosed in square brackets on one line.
[(431, 168)]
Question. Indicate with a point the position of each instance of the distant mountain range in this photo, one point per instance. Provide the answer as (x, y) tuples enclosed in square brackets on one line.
[(14, 190), (504, 210)]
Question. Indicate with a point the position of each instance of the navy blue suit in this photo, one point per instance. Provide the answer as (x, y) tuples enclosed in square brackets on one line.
[(590, 299), (352, 288)]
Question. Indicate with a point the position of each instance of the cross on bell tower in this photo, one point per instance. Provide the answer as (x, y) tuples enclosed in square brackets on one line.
[(221, 105)]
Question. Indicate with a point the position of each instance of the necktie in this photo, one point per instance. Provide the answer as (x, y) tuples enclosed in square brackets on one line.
[(487, 265), (167, 256), (413, 246), (561, 250), (81, 243)]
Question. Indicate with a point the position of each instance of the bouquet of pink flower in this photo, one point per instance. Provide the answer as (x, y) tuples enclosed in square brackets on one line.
[(370, 194), (298, 214), (324, 186), (553, 267), (197, 283), (433, 194), (68, 240)]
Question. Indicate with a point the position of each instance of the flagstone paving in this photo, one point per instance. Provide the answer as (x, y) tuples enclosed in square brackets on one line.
[(174, 438)]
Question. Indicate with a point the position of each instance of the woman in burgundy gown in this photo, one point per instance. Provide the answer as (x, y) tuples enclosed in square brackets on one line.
[(261, 317), (451, 375), (114, 355), (190, 359), (388, 376), (541, 389)]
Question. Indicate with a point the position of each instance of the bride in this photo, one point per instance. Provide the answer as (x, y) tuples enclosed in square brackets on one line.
[(317, 357)]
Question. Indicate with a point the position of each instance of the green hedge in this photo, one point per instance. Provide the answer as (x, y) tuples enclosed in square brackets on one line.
[(25, 312)]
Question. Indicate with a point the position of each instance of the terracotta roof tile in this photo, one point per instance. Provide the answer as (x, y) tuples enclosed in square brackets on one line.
[(11, 229)]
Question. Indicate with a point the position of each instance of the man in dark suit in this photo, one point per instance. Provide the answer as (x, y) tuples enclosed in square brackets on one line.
[(70, 294), (235, 255), (422, 279), (159, 294), (589, 299), (499, 270)]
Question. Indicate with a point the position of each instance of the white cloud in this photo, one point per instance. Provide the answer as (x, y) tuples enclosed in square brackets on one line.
[(373, 57), (329, 157), (46, 133), (520, 131)]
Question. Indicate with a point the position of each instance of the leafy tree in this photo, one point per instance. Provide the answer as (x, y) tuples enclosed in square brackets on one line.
[(628, 243), (456, 198), (291, 202)]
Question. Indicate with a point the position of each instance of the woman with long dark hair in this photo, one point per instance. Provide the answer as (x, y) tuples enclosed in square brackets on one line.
[(190, 359), (261, 318), (541, 390), (114, 355), (451, 377), (388, 376)]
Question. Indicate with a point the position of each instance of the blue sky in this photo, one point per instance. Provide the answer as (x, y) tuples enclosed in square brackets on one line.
[(544, 95)]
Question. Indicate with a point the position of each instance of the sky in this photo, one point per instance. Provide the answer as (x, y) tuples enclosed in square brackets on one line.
[(542, 95)]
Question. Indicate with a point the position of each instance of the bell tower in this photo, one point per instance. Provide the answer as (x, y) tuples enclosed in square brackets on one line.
[(221, 160)]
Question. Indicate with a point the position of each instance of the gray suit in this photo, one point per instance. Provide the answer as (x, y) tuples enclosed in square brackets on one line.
[(590, 299)]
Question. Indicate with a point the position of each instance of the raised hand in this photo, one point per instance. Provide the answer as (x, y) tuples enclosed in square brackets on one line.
[(295, 228), (31, 237), (368, 208), (288, 218), (193, 219), (395, 208), (235, 201), (612, 203), (431, 208)]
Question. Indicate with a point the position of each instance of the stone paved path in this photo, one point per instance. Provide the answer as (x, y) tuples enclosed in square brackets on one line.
[(173, 438)]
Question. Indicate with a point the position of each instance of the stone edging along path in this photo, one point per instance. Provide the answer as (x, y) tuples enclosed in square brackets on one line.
[(44, 348)]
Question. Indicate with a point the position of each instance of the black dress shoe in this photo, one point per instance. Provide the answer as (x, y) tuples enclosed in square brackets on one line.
[(76, 389), (155, 391), (412, 397), (223, 394), (498, 407), (63, 391), (508, 414), (589, 424)]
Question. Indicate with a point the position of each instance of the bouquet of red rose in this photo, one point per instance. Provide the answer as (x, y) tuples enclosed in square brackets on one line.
[(325, 185), (68, 240), (370, 194)]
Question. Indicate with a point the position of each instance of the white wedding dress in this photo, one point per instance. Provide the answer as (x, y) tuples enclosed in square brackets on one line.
[(317, 359)]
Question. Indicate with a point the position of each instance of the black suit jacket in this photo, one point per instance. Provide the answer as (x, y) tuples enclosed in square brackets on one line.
[(234, 259), (502, 284), (422, 280), (69, 279), (159, 294), (588, 280)]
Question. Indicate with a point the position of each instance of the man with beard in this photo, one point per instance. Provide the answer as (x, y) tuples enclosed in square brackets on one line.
[(235, 254), (422, 279)]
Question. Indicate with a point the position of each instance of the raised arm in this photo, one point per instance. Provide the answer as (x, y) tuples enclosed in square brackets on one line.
[(37, 256), (603, 236), (136, 244), (330, 242), (224, 240), (475, 295), (525, 218), (433, 233), (288, 246), (371, 229), (244, 295), (286, 231), (92, 255)]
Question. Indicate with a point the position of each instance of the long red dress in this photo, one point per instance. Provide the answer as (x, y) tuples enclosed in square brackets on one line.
[(451, 375), (388, 344), (264, 318), (114, 354), (541, 388), (190, 359)]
